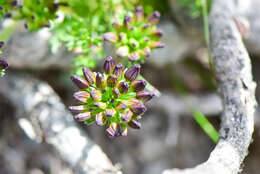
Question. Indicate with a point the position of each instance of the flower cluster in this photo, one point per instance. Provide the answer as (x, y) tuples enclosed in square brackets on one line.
[(38, 13), (135, 36), (3, 66), (115, 98), (6, 6)]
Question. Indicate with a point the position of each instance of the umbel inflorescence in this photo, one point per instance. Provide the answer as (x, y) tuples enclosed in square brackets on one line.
[(135, 36), (113, 99)]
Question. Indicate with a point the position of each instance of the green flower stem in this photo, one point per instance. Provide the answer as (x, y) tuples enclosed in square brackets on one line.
[(205, 125)]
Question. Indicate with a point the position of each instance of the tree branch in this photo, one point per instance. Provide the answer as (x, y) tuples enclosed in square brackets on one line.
[(233, 70), (44, 118)]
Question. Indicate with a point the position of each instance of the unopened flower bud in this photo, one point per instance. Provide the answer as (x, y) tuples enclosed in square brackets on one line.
[(134, 42), (112, 80), (122, 130), (1, 44), (121, 106), (122, 51), (83, 116), (112, 130), (80, 82), (146, 26), (138, 108), (109, 65), (146, 52), (126, 116), (157, 45), (134, 56), (100, 105), (116, 92), (100, 119), (135, 124), (133, 72), (123, 87), (144, 96), (154, 17), (110, 112), (110, 37), (139, 13), (95, 95), (157, 32), (138, 85), (81, 96), (77, 109), (100, 81), (3, 64), (127, 20), (89, 75), (118, 70)]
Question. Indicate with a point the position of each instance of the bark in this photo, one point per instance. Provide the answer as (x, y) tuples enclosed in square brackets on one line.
[(44, 118), (233, 70)]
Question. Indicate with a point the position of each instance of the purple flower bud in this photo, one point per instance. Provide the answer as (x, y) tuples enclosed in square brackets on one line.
[(121, 106), (135, 124), (96, 95), (138, 108), (139, 13), (138, 85), (134, 56), (127, 20), (1, 44), (122, 130), (123, 87), (118, 70), (116, 92), (100, 81), (110, 112), (112, 130), (115, 24), (80, 82), (146, 26), (144, 96), (3, 64), (100, 105), (109, 65), (100, 119), (157, 32), (81, 96), (1, 8), (157, 45), (112, 80), (89, 75), (147, 52), (14, 3), (126, 116), (77, 109), (83, 116), (122, 51), (154, 17), (110, 37), (133, 72)]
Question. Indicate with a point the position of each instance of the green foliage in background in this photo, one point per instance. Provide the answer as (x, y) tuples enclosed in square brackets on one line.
[(195, 6)]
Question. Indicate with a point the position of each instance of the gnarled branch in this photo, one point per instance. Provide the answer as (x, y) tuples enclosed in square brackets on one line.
[(233, 70)]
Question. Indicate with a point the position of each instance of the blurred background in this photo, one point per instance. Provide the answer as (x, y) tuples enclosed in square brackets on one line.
[(170, 137)]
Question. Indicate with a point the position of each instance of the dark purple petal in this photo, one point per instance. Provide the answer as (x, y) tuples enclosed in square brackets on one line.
[(116, 92), (123, 87), (3, 64), (138, 85), (144, 96), (112, 81), (109, 65), (83, 116), (126, 116), (100, 81), (81, 96), (89, 75), (118, 70), (138, 108), (135, 124), (80, 82), (133, 72)]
